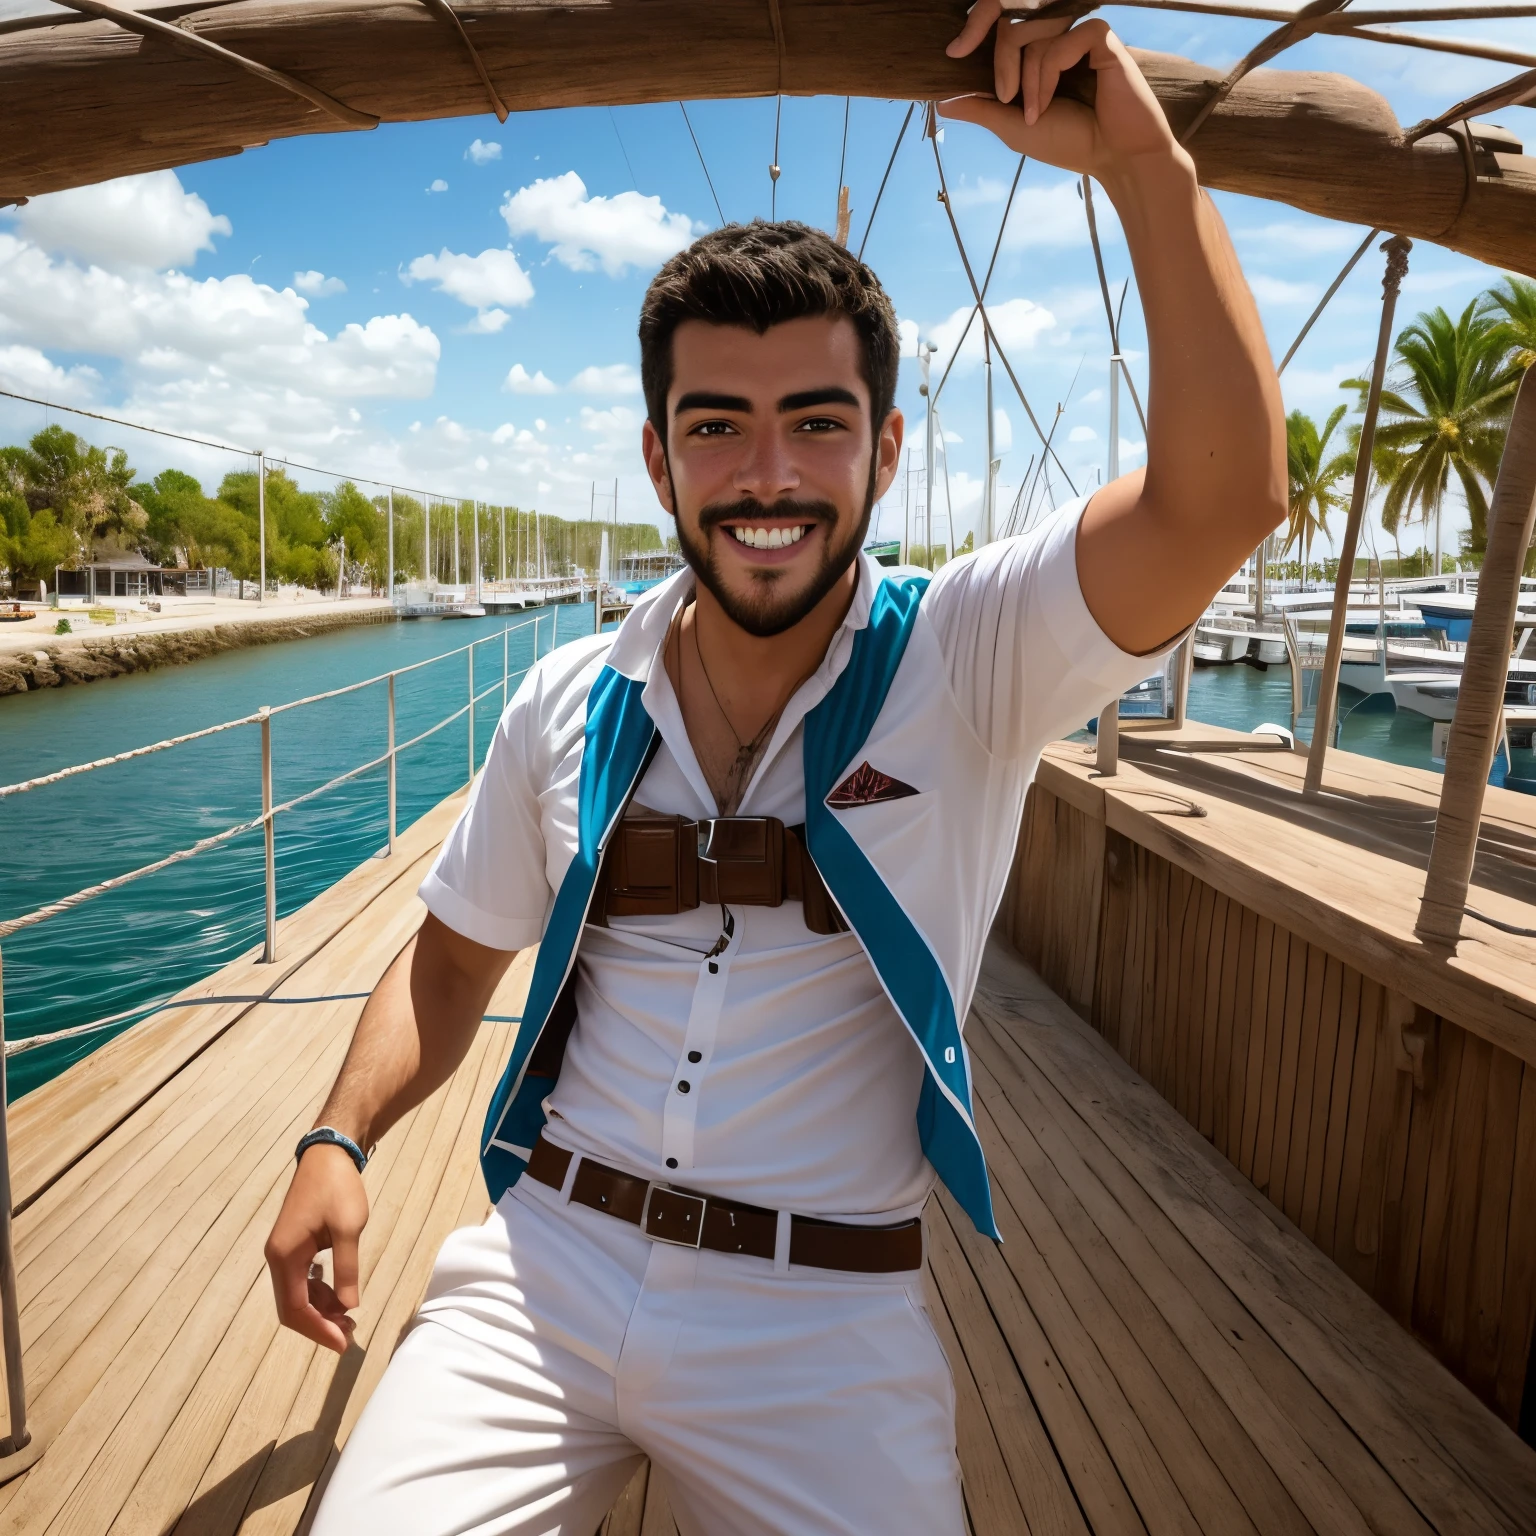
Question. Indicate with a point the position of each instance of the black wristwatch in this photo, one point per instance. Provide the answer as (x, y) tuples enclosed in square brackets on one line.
[(325, 1135)]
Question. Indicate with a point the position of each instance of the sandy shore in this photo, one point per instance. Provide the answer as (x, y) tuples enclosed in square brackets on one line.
[(33, 656)]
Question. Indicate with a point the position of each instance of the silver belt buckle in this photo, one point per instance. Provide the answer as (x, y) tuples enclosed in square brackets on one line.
[(678, 1219)]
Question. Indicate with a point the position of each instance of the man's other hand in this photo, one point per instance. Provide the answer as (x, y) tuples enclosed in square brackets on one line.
[(326, 1207), (1125, 123)]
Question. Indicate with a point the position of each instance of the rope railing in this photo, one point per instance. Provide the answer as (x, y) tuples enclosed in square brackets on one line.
[(269, 814)]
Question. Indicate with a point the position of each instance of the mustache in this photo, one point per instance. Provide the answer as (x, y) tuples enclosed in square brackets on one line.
[(751, 507)]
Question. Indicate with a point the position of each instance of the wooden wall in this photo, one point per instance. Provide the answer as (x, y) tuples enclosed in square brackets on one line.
[(1401, 1144)]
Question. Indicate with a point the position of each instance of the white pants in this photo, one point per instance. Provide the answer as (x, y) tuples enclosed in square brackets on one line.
[(556, 1345)]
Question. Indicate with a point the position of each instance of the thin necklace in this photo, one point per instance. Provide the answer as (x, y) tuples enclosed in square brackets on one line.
[(744, 748)]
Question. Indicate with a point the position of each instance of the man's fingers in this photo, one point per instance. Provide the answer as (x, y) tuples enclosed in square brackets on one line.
[(288, 1261), (344, 1266), (1004, 120), (1044, 64), (983, 14)]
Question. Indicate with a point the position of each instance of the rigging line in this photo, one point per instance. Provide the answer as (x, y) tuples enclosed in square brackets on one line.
[(842, 159), (986, 319), (1109, 313), (986, 282), (773, 169), (635, 180), (700, 153), (1322, 304), (895, 148)]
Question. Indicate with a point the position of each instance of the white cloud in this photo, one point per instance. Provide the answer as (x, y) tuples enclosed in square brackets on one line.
[(317, 285), (135, 221), (952, 437), (483, 152), (616, 426), (520, 382), (29, 372), (1292, 237), (487, 323), (976, 194), (486, 282), (907, 329), (1276, 290), (438, 185), (1017, 324), (1082, 435), (614, 233), (615, 379), (1002, 430), (1053, 218)]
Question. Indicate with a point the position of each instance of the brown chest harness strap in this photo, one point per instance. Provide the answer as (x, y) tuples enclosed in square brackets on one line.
[(658, 866)]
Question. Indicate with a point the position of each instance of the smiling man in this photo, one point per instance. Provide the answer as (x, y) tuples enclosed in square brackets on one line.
[(759, 836)]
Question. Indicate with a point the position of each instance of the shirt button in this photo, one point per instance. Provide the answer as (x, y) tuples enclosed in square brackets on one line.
[(671, 1162), (684, 1086), (713, 968), (695, 1056)]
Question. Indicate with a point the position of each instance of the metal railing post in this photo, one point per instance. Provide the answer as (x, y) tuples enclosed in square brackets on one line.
[(269, 836), (391, 762), (471, 711), (10, 1304)]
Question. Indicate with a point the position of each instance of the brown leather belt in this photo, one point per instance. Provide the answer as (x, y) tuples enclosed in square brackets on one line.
[(692, 1220), (657, 866)]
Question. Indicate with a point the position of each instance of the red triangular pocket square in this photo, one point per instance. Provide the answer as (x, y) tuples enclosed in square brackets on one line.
[(867, 786)]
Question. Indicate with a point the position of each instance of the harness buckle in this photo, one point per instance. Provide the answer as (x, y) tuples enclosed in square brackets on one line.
[(672, 1216)]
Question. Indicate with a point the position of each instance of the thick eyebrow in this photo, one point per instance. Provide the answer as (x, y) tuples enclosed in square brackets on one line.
[(831, 394), (707, 400)]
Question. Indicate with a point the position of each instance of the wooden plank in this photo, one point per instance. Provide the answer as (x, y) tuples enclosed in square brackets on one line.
[(1404, 1232), (625, 1516), (1485, 1297), (1258, 1156), (1455, 1459), (1516, 1321), (51, 1127), (1212, 1023), (1293, 1428), (1199, 1480), (1021, 1487), (1304, 963), (1429, 1286), (1366, 1244), (1332, 1164), (1467, 1141), (1009, 1120), (1232, 1060), (1323, 1072), (658, 1508), (1287, 1193), (1361, 1082)]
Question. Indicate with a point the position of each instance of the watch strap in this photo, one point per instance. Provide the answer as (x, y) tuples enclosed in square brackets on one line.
[(326, 1135)]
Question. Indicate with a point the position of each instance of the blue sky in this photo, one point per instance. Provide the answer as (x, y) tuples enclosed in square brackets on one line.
[(451, 305)]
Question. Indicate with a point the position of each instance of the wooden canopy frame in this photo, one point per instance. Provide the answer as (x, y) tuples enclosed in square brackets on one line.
[(123, 87)]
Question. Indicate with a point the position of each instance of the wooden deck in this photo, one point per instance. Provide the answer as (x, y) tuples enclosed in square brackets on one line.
[(1154, 1348)]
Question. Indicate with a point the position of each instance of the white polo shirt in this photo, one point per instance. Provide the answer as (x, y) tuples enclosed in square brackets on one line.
[(775, 1071)]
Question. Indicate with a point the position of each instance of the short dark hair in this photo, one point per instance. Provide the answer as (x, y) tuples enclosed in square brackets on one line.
[(758, 275)]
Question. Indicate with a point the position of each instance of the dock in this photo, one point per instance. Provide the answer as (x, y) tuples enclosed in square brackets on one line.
[(1157, 1346)]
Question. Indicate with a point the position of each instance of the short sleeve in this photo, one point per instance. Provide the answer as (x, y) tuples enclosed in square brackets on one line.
[(488, 881), (1027, 660)]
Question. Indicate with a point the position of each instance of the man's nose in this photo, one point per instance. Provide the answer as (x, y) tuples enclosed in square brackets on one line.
[(767, 470)]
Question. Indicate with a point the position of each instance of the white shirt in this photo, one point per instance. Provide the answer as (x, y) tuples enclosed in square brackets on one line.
[(775, 1071)]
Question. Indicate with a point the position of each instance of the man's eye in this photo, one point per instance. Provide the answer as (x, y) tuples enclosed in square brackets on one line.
[(820, 424), (711, 429)]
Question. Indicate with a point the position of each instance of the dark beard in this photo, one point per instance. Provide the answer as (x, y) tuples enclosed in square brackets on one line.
[(765, 613)]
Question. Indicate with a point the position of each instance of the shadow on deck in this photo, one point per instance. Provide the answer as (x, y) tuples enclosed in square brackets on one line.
[(1153, 1349)]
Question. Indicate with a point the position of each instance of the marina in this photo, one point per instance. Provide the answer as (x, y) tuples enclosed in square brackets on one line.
[(1252, 1056)]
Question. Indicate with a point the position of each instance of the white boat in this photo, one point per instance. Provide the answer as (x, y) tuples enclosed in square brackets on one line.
[(1432, 694)]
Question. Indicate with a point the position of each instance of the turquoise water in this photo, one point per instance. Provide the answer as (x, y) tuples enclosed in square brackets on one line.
[(148, 940), (136, 945)]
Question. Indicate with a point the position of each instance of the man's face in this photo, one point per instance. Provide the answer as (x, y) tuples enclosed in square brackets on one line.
[(771, 463)]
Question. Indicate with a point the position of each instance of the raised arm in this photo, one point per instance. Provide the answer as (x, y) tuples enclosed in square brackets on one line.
[(1156, 544), (414, 1032)]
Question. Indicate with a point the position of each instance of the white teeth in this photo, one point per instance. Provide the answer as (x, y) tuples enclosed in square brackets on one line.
[(769, 538)]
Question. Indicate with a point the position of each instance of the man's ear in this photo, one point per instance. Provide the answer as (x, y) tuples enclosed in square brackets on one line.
[(888, 450), (655, 452)]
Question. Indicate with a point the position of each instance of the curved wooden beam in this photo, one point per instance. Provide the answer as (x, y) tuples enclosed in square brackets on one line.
[(87, 101)]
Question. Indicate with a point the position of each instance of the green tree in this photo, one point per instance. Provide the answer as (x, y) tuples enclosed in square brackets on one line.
[(351, 516), (88, 489), (1315, 477), (1514, 299), (1446, 413), (188, 527), (32, 544)]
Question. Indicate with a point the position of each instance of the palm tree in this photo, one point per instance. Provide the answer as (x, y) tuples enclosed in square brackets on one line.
[(1446, 413), (1314, 479), (1515, 299)]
